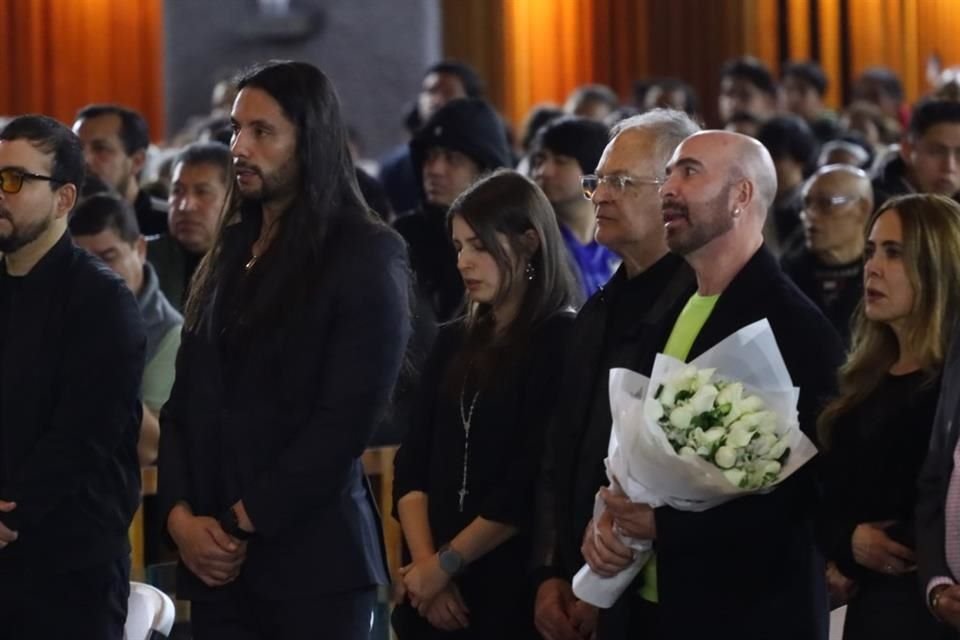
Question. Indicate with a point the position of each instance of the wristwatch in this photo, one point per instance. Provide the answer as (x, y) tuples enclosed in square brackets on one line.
[(450, 560), (231, 525)]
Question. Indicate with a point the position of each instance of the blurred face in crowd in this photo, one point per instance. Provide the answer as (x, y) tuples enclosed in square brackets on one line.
[(27, 214), (801, 98), (630, 215), (124, 258), (697, 204), (438, 89), (591, 108), (198, 195), (481, 275), (658, 97), (446, 174), (264, 147), (104, 152), (834, 212), (740, 95), (558, 175), (888, 293), (933, 159), (874, 92)]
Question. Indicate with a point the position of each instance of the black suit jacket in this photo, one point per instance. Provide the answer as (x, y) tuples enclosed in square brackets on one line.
[(72, 360), (749, 568), (935, 475), (287, 432), (574, 438)]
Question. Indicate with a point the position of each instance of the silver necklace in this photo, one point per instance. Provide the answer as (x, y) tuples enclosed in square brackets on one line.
[(466, 418)]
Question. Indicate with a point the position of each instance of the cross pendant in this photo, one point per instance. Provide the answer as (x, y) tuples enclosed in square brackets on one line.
[(463, 494)]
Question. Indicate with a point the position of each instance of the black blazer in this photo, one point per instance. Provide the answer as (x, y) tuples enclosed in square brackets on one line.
[(286, 431), (72, 361), (935, 475), (750, 568), (561, 520)]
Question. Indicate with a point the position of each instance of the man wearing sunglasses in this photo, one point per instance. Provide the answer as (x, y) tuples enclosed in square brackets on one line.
[(71, 358), (837, 200)]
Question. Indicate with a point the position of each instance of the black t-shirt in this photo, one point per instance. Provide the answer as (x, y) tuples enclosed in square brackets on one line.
[(835, 289)]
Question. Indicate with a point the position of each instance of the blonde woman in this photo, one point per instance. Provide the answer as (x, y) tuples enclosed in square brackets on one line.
[(877, 431)]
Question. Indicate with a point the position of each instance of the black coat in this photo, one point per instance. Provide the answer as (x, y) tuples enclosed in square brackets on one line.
[(282, 422), (577, 445), (749, 568), (937, 470), (72, 344)]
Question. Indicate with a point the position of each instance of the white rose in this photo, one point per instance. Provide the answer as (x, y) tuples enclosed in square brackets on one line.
[(772, 468), (740, 438), (777, 450), (767, 422), (681, 417), (762, 444), (702, 400), (687, 451), (725, 457), (713, 435), (751, 404), (735, 476), (730, 394)]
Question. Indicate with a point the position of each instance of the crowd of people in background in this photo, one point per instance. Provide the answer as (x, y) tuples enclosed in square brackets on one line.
[(280, 303)]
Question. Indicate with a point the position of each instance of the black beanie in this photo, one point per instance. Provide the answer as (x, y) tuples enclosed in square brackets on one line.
[(467, 125), (579, 138)]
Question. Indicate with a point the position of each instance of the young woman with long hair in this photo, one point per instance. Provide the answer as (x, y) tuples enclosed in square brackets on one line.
[(465, 472), (877, 431)]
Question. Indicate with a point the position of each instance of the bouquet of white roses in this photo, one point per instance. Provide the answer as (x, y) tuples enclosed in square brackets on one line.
[(696, 435)]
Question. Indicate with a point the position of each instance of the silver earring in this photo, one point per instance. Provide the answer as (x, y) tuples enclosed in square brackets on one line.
[(737, 212), (531, 271)]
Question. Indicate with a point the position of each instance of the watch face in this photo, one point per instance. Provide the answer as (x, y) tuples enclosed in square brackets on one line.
[(450, 561)]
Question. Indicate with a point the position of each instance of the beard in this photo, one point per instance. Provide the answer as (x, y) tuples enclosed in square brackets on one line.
[(20, 237), (277, 185), (714, 222)]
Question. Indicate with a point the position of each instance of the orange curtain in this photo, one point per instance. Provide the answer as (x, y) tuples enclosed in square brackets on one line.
[(533, 51), (58, 55)]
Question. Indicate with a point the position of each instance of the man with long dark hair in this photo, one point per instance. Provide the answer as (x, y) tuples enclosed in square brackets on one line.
[(294, 335)]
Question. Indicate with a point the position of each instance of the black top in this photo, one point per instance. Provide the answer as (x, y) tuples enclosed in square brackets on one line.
[(872, 465), (505, 447), (835, 289), (433, 260), (71, 360)]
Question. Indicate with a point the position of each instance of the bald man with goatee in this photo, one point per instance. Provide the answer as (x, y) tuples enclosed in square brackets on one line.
[(747, 569)]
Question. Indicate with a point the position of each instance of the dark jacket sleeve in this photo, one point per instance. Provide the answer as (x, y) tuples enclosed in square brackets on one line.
[(412, 462), (836, 525), (97, 404), (935, 474), (173, 477), (509, 501), (371, 326)]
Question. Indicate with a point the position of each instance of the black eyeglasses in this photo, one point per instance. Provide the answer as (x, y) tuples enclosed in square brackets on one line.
[(11, 180)]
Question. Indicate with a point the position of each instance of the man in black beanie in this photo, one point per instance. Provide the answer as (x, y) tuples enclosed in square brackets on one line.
[(460, 142), (563, 151)]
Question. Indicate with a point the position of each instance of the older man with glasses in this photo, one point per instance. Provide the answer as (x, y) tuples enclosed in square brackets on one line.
[(609, 333), (837, 200)]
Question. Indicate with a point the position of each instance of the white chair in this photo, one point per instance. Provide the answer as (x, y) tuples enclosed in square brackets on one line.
[(837, 617), (150, 613)]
